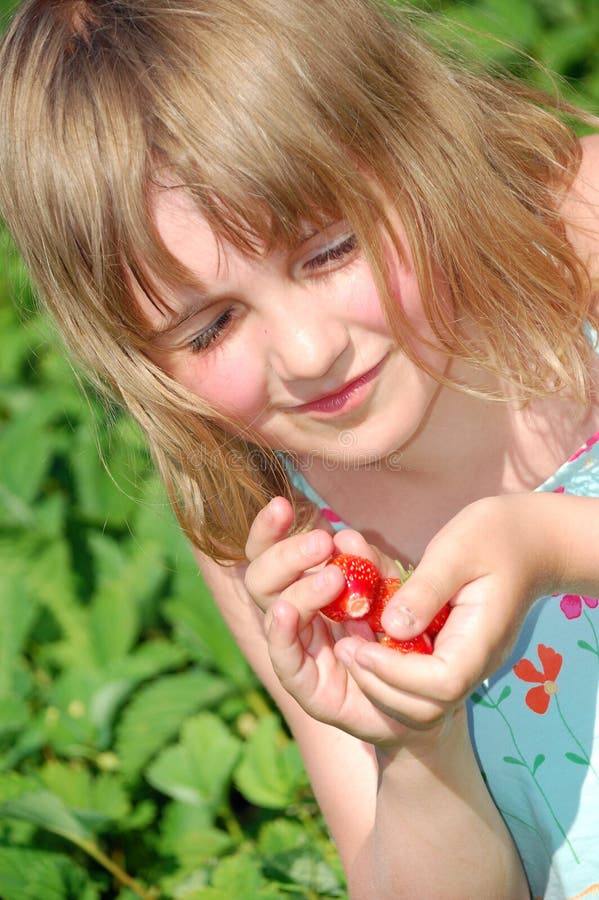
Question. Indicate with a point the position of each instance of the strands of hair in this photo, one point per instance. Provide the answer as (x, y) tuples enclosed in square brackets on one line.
[(270, 116)]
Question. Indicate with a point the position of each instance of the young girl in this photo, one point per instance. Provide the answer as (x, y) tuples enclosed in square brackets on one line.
[(340, 279)]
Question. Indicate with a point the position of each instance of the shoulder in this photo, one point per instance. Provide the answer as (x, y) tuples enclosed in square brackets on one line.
[(580, 207)]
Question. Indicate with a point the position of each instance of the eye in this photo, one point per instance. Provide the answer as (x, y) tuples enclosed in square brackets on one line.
[(205, 338), (334, 253)]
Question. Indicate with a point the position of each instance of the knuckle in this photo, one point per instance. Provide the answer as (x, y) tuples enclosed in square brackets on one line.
[(454, 687)]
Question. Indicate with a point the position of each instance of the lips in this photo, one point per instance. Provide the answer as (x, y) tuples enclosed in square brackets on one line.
[(338, 399)]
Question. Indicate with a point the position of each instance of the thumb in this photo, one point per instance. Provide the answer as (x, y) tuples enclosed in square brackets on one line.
[(434, 582)]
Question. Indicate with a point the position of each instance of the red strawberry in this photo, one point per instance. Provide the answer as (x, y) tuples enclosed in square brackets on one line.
[(361, 582), (439, 621), (420, 644), (387, 587)]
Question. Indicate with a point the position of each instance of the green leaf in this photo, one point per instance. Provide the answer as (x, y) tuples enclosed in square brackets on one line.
[(199, 626), (17, 613), (156, 712), (539, 760), (140, 818), (69, 720), (27, 742), (38, 875), (108, 474), (155, 523), (504, 694), (15, 344), (513, 761), (27, 447), (479, 701), (575, 758), (197, 770), (280, 836), (97, 800), (187, 835), (240, 875), (584, 646), (147, 660), (271, 771), (310, 870), (46, 810), (14, 785), (516, 21), (290, 855), (14, 716), (126, 582), (51, 580), (561, 48)]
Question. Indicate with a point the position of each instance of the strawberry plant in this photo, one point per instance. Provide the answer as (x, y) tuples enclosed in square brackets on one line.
[(138, 755)]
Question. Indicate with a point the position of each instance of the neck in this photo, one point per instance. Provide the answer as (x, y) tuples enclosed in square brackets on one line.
[(466, 449)]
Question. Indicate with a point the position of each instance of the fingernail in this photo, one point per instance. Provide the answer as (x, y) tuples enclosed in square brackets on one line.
[(401, 617)]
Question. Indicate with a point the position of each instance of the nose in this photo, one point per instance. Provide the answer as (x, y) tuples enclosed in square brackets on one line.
[(304, 339)]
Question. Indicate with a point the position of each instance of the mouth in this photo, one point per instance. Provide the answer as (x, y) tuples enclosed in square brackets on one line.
[(347, 397)]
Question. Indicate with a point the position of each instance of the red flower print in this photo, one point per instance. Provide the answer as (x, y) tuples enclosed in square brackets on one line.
[(571, 605), (538, 698)]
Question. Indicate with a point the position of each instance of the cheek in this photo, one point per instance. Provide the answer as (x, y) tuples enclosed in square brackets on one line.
[(406, 292), (362, 304), (230, 382)]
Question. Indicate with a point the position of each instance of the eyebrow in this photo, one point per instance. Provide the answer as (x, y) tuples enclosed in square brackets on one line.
[(163, 297)]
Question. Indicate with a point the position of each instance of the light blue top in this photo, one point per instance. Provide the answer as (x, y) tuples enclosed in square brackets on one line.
[(535, 723)]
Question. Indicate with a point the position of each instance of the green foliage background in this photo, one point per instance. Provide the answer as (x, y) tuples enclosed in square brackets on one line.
[(138, 755)]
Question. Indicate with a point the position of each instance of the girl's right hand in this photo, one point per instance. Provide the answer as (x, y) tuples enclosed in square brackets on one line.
[(288, 579)]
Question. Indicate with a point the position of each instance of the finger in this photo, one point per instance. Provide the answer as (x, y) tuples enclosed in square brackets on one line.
[(313, 591), (282, 564), (447, 677), (442, 571), (410, 708), (286, 651), (291, 659), (270, 525), (349, 541)]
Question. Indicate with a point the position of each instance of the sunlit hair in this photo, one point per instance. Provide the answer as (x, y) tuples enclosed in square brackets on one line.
[(274, 113)]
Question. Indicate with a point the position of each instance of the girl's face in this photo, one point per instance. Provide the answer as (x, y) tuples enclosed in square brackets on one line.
[(293, 345)]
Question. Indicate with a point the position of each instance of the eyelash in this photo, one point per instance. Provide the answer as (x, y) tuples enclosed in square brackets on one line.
[(206, 337), (336, 252)]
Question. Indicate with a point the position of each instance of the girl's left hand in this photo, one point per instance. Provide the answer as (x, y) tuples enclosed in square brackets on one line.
[(490, 563)]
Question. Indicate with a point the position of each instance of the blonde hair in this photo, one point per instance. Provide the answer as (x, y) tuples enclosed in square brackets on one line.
[(272, 113)]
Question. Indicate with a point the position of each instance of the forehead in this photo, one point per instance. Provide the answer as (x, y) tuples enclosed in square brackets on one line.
[(183, 229), (186, 235)]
